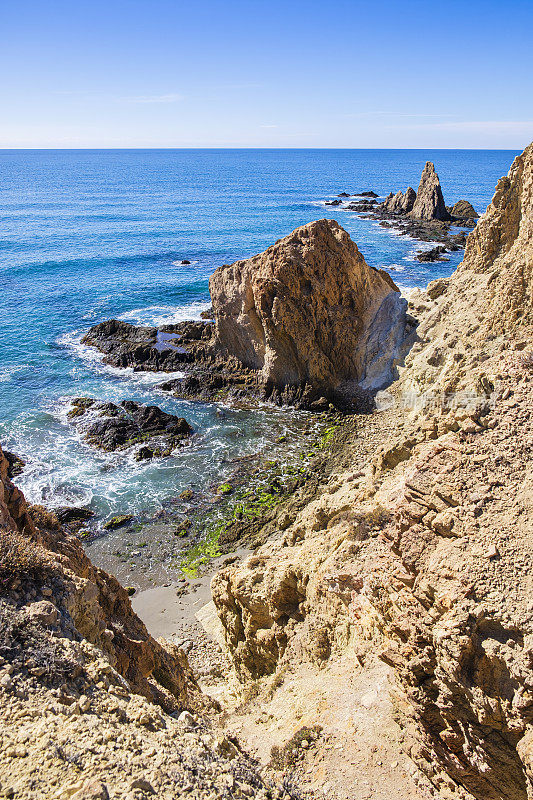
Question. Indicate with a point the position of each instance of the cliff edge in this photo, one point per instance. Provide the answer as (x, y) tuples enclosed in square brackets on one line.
[(422, 559)]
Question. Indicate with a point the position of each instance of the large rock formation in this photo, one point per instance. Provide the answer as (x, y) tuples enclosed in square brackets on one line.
[(429, 203), (35, 551), (309, 310), (462, 209)]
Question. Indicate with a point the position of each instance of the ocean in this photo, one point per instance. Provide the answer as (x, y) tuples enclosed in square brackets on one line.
[(86, 235)]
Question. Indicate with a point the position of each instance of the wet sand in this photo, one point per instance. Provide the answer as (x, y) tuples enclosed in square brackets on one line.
[(171, 610)]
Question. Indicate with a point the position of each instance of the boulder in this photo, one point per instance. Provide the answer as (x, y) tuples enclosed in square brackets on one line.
[(429, 203), (310, 311), (408, 200), (115, 427), (73, 517), (435, 254), (463, 210)]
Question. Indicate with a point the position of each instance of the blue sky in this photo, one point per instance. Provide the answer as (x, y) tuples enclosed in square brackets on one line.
[(162, 73)]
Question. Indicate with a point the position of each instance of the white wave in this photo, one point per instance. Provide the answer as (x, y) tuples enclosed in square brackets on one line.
[(181, 264), (7, 373), (165, 315), (94, 358)]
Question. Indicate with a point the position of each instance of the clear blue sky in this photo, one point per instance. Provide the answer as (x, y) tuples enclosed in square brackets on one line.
[(215, 73)]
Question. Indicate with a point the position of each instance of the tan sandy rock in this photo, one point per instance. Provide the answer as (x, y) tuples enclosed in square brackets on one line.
[(309, 310)]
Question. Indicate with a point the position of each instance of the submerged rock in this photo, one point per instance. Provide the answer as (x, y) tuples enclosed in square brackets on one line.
[(435, 254), (115, 427), (118, 521), (310, 311)]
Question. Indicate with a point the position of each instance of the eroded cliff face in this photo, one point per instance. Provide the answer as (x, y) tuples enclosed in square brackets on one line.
[(88, 601), (309, 310), (91, 706), (424, 558)]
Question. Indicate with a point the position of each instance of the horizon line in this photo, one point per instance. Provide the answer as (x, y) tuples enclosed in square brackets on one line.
[(233, 147)]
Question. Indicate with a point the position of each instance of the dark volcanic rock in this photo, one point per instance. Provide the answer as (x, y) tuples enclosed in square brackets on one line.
[(366, 194), (435, 254), (343, 194), (115, 427), (147, 349), (333, 202), (361, 205), (15, 464), (73, 517)]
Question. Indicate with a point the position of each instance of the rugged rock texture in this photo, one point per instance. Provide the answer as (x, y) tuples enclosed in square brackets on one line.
[(429, 203), (401, 203), (111, 427), (463, 210), (147, 349), (307, 322), (87, 602), (85, 692), (424, 557), (435, 254), (309, 310)]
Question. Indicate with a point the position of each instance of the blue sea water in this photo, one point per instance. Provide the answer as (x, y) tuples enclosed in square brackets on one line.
[(88, 235)]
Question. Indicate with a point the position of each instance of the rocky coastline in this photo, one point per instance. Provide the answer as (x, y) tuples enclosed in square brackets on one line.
[(306, 323), (377, 642), (422, 215)]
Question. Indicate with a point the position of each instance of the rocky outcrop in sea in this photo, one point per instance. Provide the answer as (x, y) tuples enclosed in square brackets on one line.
[(422, 214), (111, 427), (307, 322)]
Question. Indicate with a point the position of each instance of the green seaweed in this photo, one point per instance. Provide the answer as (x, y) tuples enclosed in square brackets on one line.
[(201, 553)]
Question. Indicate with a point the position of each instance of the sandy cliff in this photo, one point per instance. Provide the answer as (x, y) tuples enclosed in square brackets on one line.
[(86, 694), (383, 637), (423, 558)]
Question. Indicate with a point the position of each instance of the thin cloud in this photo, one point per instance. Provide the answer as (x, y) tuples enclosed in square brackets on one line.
[(396, 114), (153, 98), (481, 126), (268, 126)]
